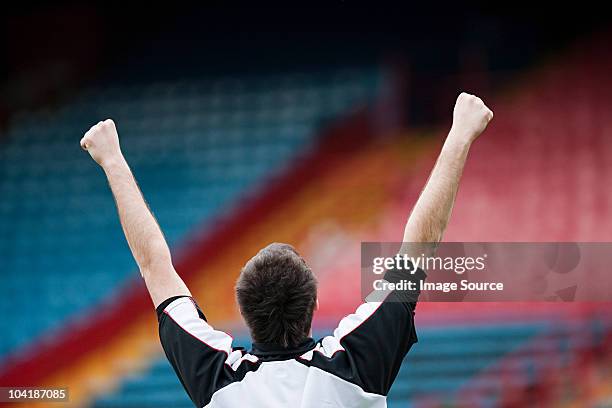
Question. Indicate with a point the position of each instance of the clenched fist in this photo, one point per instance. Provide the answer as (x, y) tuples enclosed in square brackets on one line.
[(102, 143), (470, 118)]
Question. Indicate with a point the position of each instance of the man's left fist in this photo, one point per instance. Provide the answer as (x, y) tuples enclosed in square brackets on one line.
[(102, 142)]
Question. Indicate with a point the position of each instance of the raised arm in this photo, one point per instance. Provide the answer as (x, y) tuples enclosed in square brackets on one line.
[(432, 210), (143, 235)]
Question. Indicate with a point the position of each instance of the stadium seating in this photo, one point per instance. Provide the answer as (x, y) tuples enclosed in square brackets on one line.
[(198, 149)]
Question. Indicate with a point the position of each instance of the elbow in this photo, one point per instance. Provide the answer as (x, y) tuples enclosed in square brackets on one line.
[(424, 234), (155, 267), (155, 260)]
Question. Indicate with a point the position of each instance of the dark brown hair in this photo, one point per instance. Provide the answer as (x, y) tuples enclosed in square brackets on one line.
[(277, 295)]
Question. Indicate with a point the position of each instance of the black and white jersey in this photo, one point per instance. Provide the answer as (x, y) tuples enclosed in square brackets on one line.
[(354, 367)]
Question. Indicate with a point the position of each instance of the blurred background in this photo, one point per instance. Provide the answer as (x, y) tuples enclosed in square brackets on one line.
[(316, 127)]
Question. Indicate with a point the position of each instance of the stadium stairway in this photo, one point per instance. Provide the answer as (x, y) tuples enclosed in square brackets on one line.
[(530, 167)]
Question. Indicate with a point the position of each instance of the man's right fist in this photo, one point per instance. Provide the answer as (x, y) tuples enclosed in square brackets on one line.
[(470, 117), (102, 142)]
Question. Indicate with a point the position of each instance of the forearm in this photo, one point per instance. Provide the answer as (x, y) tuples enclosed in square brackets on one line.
[(433, 209), (139, 226), (142, 232), (143, 235)]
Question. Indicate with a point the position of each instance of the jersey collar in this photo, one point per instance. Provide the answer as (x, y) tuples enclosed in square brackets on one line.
[(271, 351)]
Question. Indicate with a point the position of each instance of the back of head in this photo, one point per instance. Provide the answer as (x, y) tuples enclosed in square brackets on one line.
[(277, 295)]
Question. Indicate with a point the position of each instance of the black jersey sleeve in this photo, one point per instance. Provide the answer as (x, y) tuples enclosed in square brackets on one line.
[(199, 354), (368, 346)]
